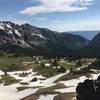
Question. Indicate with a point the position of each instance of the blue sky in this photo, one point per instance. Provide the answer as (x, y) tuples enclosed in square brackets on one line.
[(59, 15)]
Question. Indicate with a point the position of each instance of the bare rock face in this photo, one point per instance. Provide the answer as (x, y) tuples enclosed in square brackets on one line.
[(34, 80), (89, 90)]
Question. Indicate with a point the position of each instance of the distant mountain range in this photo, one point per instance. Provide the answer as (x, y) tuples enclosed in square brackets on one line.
[(31, 40), (87, 34)]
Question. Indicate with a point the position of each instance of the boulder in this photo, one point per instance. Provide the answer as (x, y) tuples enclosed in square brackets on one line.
[(89, 90), (34, 80)]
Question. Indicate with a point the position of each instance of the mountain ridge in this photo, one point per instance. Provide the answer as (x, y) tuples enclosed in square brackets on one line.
[(93, 48), (38, 40)]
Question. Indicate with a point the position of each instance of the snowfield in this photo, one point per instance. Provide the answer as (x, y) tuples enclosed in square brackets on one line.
[(46, 97), (11, 92), (72, 84)]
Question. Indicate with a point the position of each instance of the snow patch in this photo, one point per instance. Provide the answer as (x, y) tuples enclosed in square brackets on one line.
[(1, 27), (10, 92), (72, 84), (47, 97), (1, 72), (39, 35), (47, 65), (67, 90), (9, 26), (17, 33), (10, 32)]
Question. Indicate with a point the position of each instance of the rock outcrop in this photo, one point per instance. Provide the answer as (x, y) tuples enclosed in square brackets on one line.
[(89, 90)]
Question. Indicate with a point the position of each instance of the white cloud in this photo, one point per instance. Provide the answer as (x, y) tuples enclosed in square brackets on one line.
[(49, 6), (78, 25)]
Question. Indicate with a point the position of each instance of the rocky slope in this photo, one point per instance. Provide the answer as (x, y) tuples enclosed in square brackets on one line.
[(93, 48), (37, 41)]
